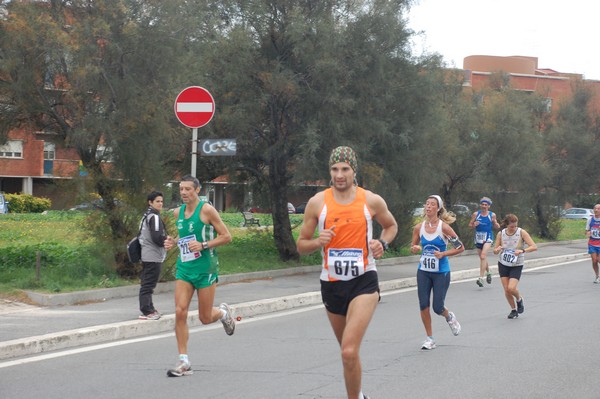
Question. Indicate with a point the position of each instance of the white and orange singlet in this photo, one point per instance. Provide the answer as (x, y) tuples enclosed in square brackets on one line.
[(347, 256)]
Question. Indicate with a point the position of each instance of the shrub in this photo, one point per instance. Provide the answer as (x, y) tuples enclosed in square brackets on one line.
[(26, 203), (62, 265)]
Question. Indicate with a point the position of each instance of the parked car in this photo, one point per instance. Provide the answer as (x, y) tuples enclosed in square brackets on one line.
[(300, 208), (418, 212), (291, 208), (93, 205), (460, 209), (3, 204), (577, 213)]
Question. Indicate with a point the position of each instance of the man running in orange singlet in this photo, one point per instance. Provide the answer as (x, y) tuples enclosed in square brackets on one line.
[(344, 215)]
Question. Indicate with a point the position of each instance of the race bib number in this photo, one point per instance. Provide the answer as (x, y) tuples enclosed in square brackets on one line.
[(595, 233), (508, 257), (345, 264), (184, 249), (428, 262), (480, 237)]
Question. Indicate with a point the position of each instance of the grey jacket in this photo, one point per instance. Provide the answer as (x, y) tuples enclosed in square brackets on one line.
[(152, 237)]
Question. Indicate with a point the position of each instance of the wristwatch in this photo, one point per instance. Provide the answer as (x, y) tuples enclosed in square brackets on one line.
[(204, 245), (385, 244)]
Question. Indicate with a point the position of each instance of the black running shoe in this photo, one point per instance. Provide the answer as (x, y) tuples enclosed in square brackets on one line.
[(513, 314), (488, 278), (520, 307)]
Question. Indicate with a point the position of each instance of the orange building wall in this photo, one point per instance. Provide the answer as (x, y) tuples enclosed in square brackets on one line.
[(492, 63), (524, 74)]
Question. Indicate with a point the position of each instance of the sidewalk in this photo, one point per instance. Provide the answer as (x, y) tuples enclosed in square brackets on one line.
[(91, 317)]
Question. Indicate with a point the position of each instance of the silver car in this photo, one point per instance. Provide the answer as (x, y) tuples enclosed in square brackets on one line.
[(3, 204), (577, 213)]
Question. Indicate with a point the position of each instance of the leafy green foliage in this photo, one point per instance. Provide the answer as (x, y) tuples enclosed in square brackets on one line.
[(59, 266), (26, 203)]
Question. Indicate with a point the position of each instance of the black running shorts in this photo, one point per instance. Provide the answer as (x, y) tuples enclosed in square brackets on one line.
[(337, 295)]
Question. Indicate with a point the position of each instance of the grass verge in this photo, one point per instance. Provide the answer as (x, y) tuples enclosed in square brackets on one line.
[(70, 259)]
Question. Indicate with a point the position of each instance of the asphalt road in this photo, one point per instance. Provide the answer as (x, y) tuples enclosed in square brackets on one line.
[(548, 352)]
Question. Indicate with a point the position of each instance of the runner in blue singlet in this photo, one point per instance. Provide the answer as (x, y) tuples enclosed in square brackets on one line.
[(484, 221)]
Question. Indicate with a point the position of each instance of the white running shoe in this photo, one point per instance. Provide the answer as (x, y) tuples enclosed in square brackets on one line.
[(454, 324), (181, 368), (597, 280), (229, 322), (428, 344)]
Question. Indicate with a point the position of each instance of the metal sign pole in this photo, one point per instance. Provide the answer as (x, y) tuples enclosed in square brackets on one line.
[(194, 150)]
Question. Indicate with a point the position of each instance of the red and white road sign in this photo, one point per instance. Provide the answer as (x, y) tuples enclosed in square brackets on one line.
[(194, 106)]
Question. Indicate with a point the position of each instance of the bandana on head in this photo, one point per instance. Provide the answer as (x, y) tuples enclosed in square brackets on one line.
[(438, 199), (344, 154), (486, 200)]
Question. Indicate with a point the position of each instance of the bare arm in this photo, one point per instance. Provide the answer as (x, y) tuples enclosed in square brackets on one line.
[(531, 246), (307, 243), (498, 244), (384, 217), (472, 222), (415, 248), (208, 214), (170, 241), (495, 222), (449, 232)]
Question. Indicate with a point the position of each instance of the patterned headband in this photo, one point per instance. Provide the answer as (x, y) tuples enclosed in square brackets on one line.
[(344, 154)]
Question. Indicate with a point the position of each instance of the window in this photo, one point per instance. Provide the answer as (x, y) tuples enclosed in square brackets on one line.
[(12, 149), (49, 152), (104, 153)]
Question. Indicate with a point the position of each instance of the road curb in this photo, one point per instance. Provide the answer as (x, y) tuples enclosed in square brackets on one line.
[(136, 328)]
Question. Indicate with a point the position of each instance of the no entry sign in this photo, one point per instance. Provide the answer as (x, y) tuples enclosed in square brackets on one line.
[(194, 106)]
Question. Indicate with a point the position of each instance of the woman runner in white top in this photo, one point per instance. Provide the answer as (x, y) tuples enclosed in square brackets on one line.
[(510, 244)]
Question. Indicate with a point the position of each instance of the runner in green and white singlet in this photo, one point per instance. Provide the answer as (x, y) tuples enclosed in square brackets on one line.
[(200, 230), (199, 268)]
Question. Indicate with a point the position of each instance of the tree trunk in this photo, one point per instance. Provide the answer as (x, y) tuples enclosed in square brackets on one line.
[(282, 229)]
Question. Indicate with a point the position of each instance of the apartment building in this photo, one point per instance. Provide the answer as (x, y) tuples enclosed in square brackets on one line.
[(523, 73)]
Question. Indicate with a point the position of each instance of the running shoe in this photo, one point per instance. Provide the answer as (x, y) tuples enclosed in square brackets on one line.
[(428, 344), (520, 307), (229, 322), (513, 314), (597, 280), (488, 278), (480, 282), (181, 368), (454, 324), (152, 316)]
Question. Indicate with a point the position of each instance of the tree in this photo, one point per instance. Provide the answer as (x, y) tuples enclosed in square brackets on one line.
[(298, 78), (99, 76), (572, 142)]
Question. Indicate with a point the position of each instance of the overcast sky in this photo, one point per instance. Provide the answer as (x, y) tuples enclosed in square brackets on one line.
[(563, 35)]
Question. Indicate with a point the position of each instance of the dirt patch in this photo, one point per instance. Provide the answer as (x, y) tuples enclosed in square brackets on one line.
[(17, 296)]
